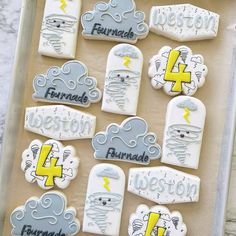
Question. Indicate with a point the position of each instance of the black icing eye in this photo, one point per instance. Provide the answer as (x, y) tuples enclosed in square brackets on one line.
[(54, 21), (118, 75), (178, 131), (127, 76), (100, 199), (63, 22), (187, 132), (109, 200)]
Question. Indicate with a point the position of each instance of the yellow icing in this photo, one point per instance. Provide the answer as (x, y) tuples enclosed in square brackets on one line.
[(106, 184), (178, 77), (186, 114), (50, 172), (161, 231), (153, 218), (127, 61), (63, 5)]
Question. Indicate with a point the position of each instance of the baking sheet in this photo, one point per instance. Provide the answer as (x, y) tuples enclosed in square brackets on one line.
[(199, 217)]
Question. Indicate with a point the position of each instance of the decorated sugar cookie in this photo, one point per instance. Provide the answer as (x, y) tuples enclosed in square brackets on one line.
[(47, 215), (60, 122), (123, 79), (185, 120), (157, 220), (164, 185), (184, 22), (129, 142), (50, 164), (104, 200), (177, 71), (116, 20), (59, 30), (69, 84)]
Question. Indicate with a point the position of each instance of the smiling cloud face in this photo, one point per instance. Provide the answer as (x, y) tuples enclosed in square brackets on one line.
[(69, 84), (128, 142), (46, 214), (117, 20)]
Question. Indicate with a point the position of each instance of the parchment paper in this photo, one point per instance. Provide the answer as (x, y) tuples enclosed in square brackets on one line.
[(152, 107)]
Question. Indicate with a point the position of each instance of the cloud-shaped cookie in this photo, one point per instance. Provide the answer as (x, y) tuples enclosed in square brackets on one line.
[(177, 71), (69, 84), (170, 223), (48, 214), (66, 161), (188, 104), (116, 20), (129, 142)]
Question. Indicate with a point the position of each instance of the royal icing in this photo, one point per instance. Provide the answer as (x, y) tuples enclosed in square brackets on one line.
[(116, 20), (49, 164), (47, 215), (69, 84), (60, 122), (177, 71), (157, 220), (128, 142), (184, 22), (185, 120), (123, 79), (164, 185), (104, 200), (60, 28)]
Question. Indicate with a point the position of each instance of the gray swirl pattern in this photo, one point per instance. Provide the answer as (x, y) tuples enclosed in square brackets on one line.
[(68, 84), (49, 213), (131, 137)]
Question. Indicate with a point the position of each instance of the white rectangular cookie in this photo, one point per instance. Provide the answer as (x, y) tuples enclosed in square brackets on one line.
[(59, 30)]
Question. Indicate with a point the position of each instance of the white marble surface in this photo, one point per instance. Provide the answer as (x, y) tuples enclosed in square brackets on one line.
[(9, 20)]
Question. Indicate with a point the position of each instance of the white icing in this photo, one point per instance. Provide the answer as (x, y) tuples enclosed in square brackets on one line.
[(60, 28), (164, 185), (104, 200), (183, 135), (122, 83), (60, 122), (184, 22)]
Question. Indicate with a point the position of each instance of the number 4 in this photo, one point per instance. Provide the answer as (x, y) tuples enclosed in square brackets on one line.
[(177, 77), (50, 172)]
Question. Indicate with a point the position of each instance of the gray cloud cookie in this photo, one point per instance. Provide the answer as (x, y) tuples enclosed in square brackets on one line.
[(69, 84), (48, 215), (128, 142), (116, 20)]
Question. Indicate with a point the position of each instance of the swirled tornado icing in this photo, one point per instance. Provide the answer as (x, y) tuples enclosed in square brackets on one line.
[(47, 214), (129, 142), (116, 20), (69, 84)]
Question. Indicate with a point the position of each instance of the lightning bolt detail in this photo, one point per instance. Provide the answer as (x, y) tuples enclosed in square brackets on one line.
[(127, 61), (106, 184), (186, 114), (63, 5)]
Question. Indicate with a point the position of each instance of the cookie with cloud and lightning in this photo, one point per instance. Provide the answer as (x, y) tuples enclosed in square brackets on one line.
[(47, 215), (129, 142), (104, 200), (177, 71), (157, 220), (50, 164)]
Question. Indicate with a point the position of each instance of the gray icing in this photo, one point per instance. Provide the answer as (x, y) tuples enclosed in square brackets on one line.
[(69, 84), (100, 204), (54, 27), (47, 215), (129, 142), (188, 104), (127, 51), (116, 20), (109, 173), (179, 138)]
